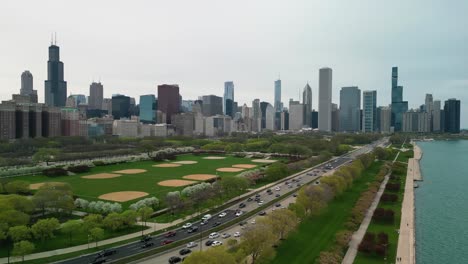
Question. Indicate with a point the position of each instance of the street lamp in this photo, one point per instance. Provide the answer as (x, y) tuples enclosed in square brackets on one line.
[(88, 241)]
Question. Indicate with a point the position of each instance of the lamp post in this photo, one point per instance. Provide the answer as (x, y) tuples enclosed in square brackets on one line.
[(88, 241)]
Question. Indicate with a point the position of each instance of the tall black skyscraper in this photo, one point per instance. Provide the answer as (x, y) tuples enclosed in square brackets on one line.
[(452, 116), (398, 105), (55, 86)]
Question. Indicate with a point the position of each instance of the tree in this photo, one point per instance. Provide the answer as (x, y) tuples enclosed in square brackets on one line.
[(96, 234), (173, 201), (233, 185), (91, 221), (44, 228), (147, 146), (71, 227), (18, 233), (258, 241), (45, 155), (12, 217), (211, 256), (145, 214), (129, 217), (58, 197), (281, 222), (23, 248), (113, 221), (276, 171), (17, 187)]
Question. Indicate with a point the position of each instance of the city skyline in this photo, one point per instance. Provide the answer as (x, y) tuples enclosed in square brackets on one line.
[(203, 70)]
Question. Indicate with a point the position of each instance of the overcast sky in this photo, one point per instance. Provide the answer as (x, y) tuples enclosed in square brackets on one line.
[(132, 46)]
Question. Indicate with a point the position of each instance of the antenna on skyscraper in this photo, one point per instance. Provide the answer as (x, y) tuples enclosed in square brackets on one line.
[(55, 42)]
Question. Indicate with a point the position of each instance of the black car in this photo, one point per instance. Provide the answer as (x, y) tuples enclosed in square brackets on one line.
[(295, 195), (192, 229), (250, 199), (107, 252), (99, 261), (277, 195), (209, 242), (257, 195), (146, 239), (262, 213), (278, 205), (243, 223), (185, 251), (242, 205), (147, 245), (174, 259), (216, 224)]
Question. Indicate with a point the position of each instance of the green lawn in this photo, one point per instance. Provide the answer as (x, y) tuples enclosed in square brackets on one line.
[(146, 182), (62, 240), (404, 156), (318, 233)]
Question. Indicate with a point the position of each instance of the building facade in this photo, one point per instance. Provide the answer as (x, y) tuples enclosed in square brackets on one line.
[(55, 86), (120, 106), (228, 99), (350, 106), (148, 109), (277, 102), (369, 106), (325, 97), (452, 115), (96, 93), (307, 102), (168, 100)]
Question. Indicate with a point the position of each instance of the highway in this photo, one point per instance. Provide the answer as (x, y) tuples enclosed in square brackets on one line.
[(294, 184)]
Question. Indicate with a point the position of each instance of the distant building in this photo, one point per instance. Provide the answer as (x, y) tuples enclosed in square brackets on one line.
[(296, 115), (80, 99), (148, 109), (70, 122), (315, 118), (218, 125), (256, 116), (325, 96), (452, 116), (385, 119), (284, 120), (369, 105), (269, 117), (168, 100), (350, 105), (436, 117), (212, 105), (228, 99), (126, 128), (307, 102), (187, 105), (27, 86), (71, 102), (183, 124), (335, 118), (120, 106), (277, 104), (55, 86), (96, 95), (398, 105), (416, 121), (107, 105)]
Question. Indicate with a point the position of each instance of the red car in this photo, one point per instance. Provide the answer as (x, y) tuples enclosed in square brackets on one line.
[(170, 234), (167, 241)]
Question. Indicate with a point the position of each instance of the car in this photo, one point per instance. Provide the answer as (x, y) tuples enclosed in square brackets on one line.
[(147, 245), (223, 214), (253, 221), (286, 183), (216, 224), (145, 239), (290, 186), (192, 229), (317, 182), (260, 203), (270, 193), (237, 234), (107, 252), (226, 235), (187, 225), (257, 199), (243, 223), (203, 222), (257, 195), (278, 205), (191, 245), (206, 217), (242, 205), (277, 189), (216, 243), (175, 259), (277, 195), (167, 241), (310, 174), (239, 213), (262, 213), (250, 199), (209, 242), (213, 235), (99, 261), (170, 234), (298, 185), (295, 195), (185, 251)]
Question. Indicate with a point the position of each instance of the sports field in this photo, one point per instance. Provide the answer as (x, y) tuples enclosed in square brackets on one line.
[(136, 179)]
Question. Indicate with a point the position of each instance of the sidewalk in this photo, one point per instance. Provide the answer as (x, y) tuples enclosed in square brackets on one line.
[(359, 234)]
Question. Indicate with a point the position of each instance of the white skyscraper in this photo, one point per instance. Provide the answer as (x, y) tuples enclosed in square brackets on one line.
[(307, 102), (228, 99), (277, 103), (296, 115), (325, 96)]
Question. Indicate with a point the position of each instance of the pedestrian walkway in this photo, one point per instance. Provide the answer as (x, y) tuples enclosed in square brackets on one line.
[(359, 234)]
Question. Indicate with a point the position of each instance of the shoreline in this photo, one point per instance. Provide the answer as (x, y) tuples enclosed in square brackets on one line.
[(406, 250)]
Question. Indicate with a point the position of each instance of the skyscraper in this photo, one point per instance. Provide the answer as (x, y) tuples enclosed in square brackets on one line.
[(120, 106), (256, 116), (436, 117), (429, 108), (55, 86), (96, 91), (27, 86), (369, 106), (212, 105), (398, 105), (148, 108), (350, 106), (307, 102), (296, 115), (452, 115), (168, 101), (228, 99), (325, 95), (277, 103)]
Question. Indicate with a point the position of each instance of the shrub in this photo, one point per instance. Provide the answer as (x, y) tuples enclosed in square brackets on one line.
[(55, 172), (393, 187), (79, 168), (99, 163), (17, 187), (151, 202), (81, 203)]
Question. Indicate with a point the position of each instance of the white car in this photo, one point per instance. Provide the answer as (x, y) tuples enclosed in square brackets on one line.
[(216, 243), (206, 217), (226, 235), (260, 203), (187, 225), (237, 234), (253, 221), (191, 245), (213, 235), (223, 214), (277, 189), (239, 213)]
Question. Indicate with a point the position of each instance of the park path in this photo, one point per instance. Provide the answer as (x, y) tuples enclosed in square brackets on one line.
[(359, 234)]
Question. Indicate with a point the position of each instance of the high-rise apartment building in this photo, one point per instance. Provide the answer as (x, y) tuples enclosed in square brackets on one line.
[(452, 115), (369, 106), (429, 108), (27, 86), (335, 118), (350, 107), (96, 95), (296, 115), (212, 105), (325, 96), (398, 105), (385, 119), (256, 116), (277, 103), (436, 117), (120, 106), (55, 86), (168, 101), (148, 109), (228, 99), (307, 102)]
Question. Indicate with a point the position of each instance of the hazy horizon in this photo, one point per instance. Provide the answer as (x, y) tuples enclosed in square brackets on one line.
[(134, 46)]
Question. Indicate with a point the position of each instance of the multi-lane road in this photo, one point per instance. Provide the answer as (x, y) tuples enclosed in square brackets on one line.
[(181, 234)]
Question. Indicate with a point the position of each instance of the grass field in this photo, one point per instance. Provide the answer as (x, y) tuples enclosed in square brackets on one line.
[(91, 189), (318, 233)]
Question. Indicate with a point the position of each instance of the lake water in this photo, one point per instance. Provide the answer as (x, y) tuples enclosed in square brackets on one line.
[(442, 203)]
